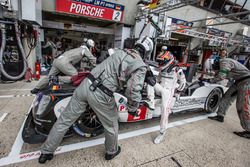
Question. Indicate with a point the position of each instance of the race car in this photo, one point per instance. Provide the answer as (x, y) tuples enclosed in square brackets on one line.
[(48, 105)]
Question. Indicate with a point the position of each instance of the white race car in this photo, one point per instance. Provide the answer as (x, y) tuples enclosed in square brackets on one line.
[(48, 106), (197, 95)]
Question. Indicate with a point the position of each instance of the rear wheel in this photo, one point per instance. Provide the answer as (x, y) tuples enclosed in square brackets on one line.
[(88, 124), (213, 100), (29, 134)]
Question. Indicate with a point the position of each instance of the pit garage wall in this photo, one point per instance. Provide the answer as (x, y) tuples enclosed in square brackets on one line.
[(129, 12)]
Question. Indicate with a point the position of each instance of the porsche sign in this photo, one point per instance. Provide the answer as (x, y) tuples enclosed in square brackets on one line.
[(91, 8)]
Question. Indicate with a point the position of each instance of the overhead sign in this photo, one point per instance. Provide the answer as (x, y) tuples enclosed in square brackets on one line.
[(91, 8), (217, 32), (182, 22), (180, 25)]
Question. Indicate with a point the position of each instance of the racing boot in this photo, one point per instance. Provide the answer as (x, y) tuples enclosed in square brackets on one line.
[(34, 91), (244, 134), (44, 157), (218, 118), (160, 138), (111, 156)]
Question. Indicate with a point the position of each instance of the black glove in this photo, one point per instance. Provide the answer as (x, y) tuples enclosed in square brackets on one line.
[(201, 79), (150, 78), (205, 80), (132, 108), (134, 114)]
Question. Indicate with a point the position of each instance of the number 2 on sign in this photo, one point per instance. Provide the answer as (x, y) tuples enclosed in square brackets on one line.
[(117, 15)]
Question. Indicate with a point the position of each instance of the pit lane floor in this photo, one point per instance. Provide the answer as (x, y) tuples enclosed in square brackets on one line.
[(192, 140)]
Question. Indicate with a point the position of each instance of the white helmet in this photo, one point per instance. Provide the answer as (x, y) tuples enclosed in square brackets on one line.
[(111, 51), (85, 40), (145, 46), (164, 48), (90, 43)]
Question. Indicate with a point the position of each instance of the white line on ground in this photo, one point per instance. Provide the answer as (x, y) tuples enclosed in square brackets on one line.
[(7, 96), (17, 146), (10, 96), (3, 116), (71, 147), (4, 90)]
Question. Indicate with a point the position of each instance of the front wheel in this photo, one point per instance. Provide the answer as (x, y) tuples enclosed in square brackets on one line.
[(213, 100), (88, 125)]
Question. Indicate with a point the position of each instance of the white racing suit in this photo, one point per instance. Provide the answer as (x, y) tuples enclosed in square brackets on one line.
[(65, 64), (230, 68), (122, 67), (208, 66), (166, 89)]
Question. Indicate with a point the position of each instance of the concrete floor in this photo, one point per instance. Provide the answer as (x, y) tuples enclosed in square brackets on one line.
[(202, 143)]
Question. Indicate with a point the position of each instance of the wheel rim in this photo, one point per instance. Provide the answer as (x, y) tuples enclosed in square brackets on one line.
[(213, 101), (89, 122)]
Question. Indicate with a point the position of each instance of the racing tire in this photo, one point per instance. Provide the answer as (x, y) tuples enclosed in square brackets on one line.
[(88, 125), (213, 100), (29, 134)]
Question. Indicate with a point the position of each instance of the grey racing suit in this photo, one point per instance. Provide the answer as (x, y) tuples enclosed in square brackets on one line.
[(122, 67), (169, 82), (230, 68), (65, 64)]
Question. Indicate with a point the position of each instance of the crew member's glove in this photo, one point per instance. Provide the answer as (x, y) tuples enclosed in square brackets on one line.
[(205, 80), (150, 78), (209, 80), (213, 80), (134, 114), (132, 109), (201, 79)]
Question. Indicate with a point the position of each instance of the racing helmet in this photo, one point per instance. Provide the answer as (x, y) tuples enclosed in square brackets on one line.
[(145, 47), (90, 43), (111, 51), (164, 48), (165, 59), (85, 40)]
